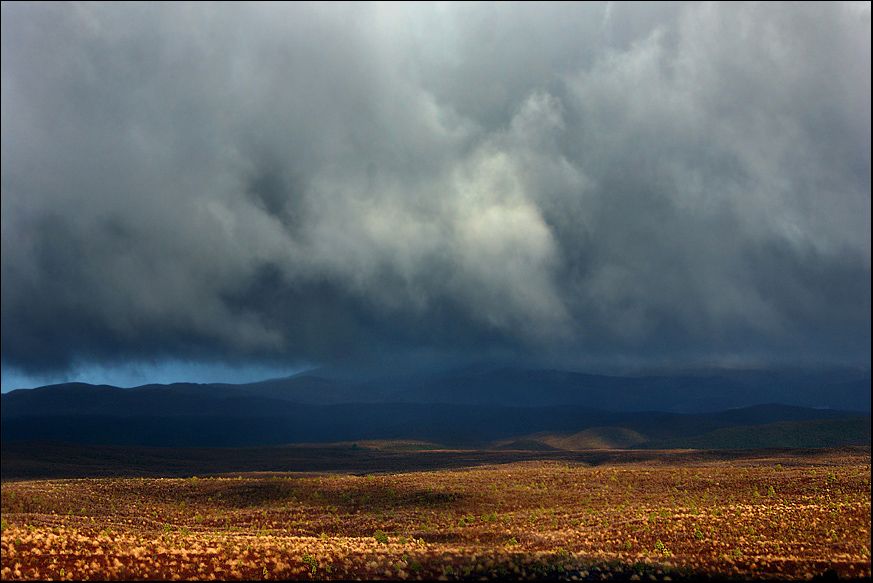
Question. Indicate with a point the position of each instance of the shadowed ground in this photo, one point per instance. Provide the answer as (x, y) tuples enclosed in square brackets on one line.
[(32, 461)]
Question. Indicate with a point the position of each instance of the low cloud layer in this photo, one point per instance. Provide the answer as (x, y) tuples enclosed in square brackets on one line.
[(567, 183)]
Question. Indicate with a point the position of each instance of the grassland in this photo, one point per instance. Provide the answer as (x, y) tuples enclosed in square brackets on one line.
[(768, 516)]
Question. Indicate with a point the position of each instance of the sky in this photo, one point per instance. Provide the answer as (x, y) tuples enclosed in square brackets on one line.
[(205, 191)]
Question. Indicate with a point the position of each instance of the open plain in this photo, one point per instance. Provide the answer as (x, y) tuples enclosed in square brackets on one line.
[(665, 515)]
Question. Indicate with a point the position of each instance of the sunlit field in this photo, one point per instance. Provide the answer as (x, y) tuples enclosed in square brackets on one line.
[(767, 518)]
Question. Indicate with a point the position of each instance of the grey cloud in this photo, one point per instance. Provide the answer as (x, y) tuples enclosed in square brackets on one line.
[(326, 183)]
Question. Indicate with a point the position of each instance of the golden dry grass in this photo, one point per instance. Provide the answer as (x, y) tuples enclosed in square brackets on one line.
[(767, 519)]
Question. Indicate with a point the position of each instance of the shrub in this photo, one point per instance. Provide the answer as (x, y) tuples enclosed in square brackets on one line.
[(310, 562), (661, 548)]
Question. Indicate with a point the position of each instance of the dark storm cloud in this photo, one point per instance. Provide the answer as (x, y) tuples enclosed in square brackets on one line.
[(326, 182)]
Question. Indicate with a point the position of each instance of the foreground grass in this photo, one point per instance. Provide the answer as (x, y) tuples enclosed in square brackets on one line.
[(768, 518)]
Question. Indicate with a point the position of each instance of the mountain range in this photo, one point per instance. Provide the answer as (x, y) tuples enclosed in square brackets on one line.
[(494, 407)]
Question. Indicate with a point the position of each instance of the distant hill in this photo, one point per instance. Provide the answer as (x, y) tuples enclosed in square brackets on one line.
[(236, 422), (791, 434), (524, 445), (815, 433), (687, 393), (587, 439), (597, 438), (527, 408), (701, 392)]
